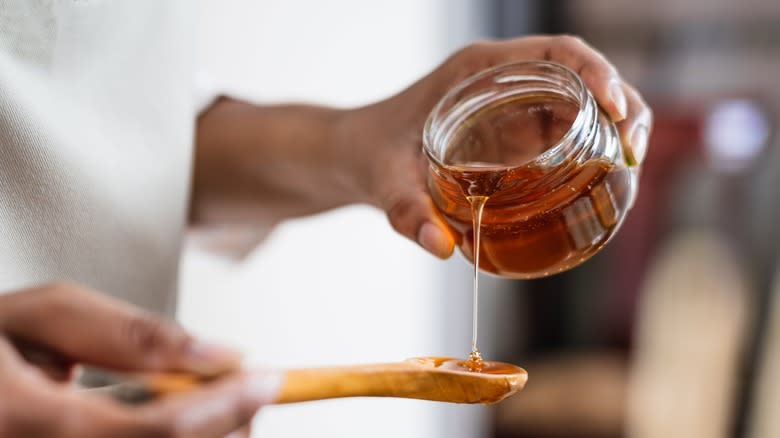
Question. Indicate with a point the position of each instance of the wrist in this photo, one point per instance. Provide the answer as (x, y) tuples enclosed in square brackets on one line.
[(355, 138)]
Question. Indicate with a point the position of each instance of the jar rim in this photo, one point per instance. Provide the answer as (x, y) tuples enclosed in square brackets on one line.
[(583, 98)]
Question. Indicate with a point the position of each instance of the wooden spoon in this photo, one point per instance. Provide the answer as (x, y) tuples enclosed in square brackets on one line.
[(428, 378)]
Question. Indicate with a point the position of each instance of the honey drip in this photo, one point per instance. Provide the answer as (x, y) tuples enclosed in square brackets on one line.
[(474, 362)]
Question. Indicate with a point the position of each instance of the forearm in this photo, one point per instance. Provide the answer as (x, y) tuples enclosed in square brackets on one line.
[(265, 163)]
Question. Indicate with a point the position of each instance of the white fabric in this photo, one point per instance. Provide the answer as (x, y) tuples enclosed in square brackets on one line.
[(96, 128)]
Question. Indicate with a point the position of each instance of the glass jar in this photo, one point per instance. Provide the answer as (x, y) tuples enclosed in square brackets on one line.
[(528, 142)]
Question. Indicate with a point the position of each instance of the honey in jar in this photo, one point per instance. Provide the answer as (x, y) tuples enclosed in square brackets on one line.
[(523, 151)]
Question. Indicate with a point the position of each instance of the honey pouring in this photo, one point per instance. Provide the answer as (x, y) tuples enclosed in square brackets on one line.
[(530, 176)]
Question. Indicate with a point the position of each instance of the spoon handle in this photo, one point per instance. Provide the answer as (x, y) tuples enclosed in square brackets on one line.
[(382, 380), (305, 384)]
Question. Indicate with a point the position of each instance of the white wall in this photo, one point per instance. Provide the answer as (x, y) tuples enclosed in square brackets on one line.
[(340, 287)]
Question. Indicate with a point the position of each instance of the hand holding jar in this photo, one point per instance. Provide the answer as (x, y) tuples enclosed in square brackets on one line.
[(396, 172)]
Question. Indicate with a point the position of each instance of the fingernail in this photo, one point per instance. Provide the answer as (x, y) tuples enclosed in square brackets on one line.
[(619, 98), (264, 387), (208, 358), (638, 146), (434, 240)]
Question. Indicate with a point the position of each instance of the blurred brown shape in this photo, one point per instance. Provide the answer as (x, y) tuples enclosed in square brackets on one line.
[(573, 396), (765, 422), (691, 331), (675, 142)]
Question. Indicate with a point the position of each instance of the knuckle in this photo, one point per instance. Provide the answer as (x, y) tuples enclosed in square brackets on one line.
[(59, 288), (475, 57), (63, 291), (148, 333), (54, 297), (600, 71), (475, 49), (571, 41), (479, 45)]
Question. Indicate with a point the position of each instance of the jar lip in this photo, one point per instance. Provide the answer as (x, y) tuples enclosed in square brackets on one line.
[(557, 148)]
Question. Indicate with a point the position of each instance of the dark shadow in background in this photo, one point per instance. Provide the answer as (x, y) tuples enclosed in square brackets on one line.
[(573, 312)]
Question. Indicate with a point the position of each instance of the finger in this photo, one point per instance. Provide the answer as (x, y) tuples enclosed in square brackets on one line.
[(216, 410), (412, 214), (598, 74), (95, 329), (42, 409), (209, 412), (49, 411), (635, 129), (213, 411)]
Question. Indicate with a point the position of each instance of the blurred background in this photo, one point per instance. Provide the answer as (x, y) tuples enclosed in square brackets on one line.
[(672, 331)]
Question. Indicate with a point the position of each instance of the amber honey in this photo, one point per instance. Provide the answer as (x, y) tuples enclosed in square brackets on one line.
[(534, 233), (486, 366), (536, 220)]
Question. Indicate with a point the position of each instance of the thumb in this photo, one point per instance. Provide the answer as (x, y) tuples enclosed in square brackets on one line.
[(92, 328), (413, 215)]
